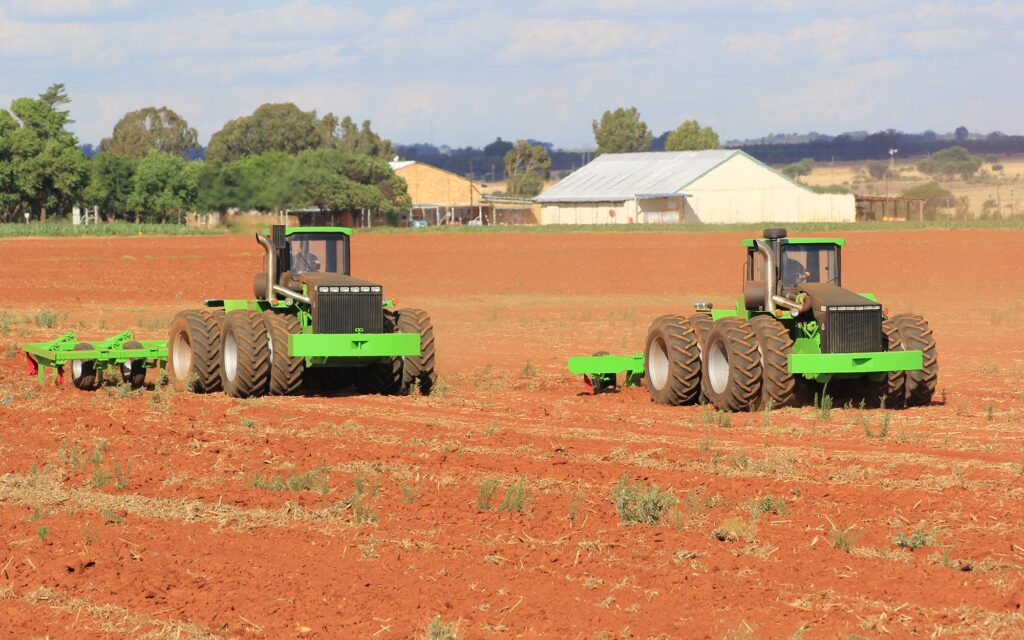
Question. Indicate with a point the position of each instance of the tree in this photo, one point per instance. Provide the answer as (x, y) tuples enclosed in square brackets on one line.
[(149, 129), (334, 180), (163, 184), (950, 162), (356, 140), (621, 131), (797, 169), (41, 167), (877, 169), (111, 182), (272, 127), (498, 148), (934, 196), (526, 167), (689, 136), (961, 133)]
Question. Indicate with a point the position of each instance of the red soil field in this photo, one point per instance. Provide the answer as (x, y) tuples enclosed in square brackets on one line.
[(155, 514)]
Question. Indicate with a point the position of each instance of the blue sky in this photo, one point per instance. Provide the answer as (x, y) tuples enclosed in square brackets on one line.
[(463, 73)]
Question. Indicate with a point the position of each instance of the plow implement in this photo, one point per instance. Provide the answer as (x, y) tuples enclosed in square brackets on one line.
[(122, 355), (600, 371)]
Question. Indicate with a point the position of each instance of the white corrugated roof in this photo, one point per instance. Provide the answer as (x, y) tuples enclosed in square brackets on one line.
[(400, 164), (617, 177)]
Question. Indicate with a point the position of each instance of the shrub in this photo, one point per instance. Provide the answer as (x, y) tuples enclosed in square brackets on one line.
[(636, 503)]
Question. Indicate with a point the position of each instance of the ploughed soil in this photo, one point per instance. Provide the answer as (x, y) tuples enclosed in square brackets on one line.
[(486, 509)]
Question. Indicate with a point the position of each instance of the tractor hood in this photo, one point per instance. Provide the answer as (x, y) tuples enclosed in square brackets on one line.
[(823, 297)]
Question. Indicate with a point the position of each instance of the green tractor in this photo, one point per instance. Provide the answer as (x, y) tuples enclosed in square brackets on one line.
[(794, 328), (310, 322)]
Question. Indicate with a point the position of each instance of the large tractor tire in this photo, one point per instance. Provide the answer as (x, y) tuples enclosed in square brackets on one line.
[(83, 372), (384, 378), (401, 374), (193, 351), (672, 361), (916, 335), (133, 372), (778, 385), (285, 371), (417, 371), (245, 355), (732, 366), (702, 324)]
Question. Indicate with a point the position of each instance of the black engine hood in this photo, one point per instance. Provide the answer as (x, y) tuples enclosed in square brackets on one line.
[(823, 295)]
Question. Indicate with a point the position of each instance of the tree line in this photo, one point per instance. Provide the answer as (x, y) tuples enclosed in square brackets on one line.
[(277, 158)]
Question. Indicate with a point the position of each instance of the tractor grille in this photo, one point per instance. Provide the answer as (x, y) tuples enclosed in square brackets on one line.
[(852, 330), (347, 312)]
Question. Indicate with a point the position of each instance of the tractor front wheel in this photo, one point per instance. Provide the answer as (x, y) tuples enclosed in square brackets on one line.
[(193, 352), (418, 371), (732, 366), (672, 361), (245, 355), (916, 335), (285, 371)]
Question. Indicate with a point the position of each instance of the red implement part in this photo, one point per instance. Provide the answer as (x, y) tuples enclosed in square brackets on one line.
[(589, 384), (60, 375), (33, 366)]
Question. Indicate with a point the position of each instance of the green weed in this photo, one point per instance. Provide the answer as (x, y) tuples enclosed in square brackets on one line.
[(42, 532), (409, 493), (517, 497), (438, 630), (917, 539), (486, 494), (529, 371), (316, 479), (636, 503), (769, 504), (842, 539)]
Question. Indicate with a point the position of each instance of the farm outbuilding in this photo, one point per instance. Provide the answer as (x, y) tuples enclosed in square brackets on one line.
[(717, 187), (441, 197)]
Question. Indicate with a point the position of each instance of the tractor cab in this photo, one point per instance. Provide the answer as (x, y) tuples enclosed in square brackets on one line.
[(317, 249), (788, 264)]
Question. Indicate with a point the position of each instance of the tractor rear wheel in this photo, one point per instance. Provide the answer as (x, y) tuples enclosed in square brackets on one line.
[(732, 365), (701, 323), (133, 371), (672, 361), (245, 355), (285, 371), (417, 371), (916, 335), (778, 385), (193, 351), (83, 372)]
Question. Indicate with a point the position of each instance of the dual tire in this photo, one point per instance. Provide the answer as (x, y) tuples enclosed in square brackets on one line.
[(733, 364)]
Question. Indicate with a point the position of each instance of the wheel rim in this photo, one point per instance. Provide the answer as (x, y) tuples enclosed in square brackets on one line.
[(76, 369), (657, 363), (182, 360), (718, 366), (126, 369), (230, 356)]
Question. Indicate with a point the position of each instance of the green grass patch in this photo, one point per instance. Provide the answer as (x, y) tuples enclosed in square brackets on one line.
[(313, 480), (641, 504), (66, 229)]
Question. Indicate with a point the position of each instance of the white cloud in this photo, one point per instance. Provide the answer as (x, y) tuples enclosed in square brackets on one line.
[(66, 9)]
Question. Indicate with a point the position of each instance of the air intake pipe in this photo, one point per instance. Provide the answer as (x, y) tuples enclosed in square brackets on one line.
[(272, 287), (769, 275)]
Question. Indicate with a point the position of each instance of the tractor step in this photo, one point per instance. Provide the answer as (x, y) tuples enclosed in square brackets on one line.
[(600, 371), (102, 354)]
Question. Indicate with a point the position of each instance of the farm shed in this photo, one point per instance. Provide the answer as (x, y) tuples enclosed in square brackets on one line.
[(440, 196), (717, 187)]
